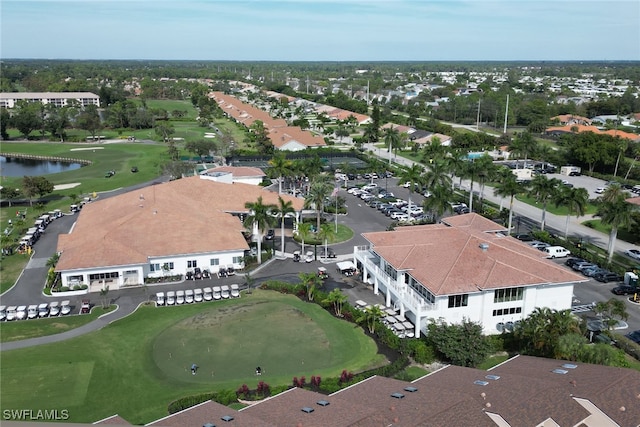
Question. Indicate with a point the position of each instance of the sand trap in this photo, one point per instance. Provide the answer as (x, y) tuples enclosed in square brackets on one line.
[(65, 186), (88, 148), (209, 136)]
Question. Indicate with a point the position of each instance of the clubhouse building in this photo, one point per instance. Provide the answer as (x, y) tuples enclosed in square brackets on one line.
[(466, 267), (160, 230)]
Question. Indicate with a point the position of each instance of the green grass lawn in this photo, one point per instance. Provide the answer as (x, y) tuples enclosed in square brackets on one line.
[(344, 234), (623, 234), (14, 331), (551, 207), (138, 365)]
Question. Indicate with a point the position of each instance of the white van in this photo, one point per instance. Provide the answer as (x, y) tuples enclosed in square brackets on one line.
[(556, 252)]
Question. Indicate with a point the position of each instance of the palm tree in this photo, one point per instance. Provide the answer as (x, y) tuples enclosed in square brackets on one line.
[(438, 202), (437, 174), (391, 139), (281, 166), (413, 176), (337, 299), (311, 281), (259, 218), (508, 187), (486, 170), (623, 144), (370, 316), (319, 190), (326, 233), (615, 211), (544, 190), (575, 200), (456, 164), (524, 144), (304, 232), (283, 208)]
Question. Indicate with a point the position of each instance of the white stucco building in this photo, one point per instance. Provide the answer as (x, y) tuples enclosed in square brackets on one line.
[(465, 267), (58, 99)]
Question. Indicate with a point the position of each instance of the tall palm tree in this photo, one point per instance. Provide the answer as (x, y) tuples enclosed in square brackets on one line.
[(486, 171), (259, 218), (622, 144), (437, 174), (283, 208), (281, 166), (319, 190), (326, 233), (391, 139), (575, 200), (413, 176), (544, 190), (524, 144), (508, 187), (438, 202), (304, 232), (456, 164), (615, 211)]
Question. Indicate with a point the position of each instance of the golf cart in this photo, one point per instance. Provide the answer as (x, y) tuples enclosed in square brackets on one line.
[(322, 273), (308, 257), (346, 268), (85, 308), (296, 256)]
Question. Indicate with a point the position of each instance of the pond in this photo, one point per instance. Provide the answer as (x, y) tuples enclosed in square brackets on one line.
[(10, 166)]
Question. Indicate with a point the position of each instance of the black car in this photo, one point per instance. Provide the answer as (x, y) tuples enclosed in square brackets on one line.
[(574, 173), (270, 235), (573, 261), (524, 237), (624, 290), (634, 336), (607, 276)]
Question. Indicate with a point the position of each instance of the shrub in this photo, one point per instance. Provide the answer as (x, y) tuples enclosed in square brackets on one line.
[(189, 401), (63, 289), (76, 287)]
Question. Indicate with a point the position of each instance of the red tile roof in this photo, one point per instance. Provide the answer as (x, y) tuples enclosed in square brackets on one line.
[(448, 259), (594, 129), (188, 215)]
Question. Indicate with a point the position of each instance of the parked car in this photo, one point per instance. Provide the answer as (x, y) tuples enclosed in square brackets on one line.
[(43, 310), (583, 265), (607, 276), (573, 261), (85, 307), (634, 336), (556, 252), (538, 245), (65, 308), (633, 253), (270, 234), (592, 271), (624, 290), (524, 237), (32, 311), (12, 313), (160, 299), (600, 190)]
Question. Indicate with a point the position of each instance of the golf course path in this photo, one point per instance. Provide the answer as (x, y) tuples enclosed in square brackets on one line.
[(126, 306)]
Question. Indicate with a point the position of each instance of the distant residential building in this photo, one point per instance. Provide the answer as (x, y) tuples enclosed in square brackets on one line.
[(560, 130), (570, 119), (58, 99)]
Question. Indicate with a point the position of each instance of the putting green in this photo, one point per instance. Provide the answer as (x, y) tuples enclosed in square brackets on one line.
[(230, 342)]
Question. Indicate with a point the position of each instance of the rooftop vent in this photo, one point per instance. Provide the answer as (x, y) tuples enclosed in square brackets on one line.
[(322, 403), (493, 377), (480, 382), (569, 366), (560, 371), (209, 425), (484, 246), (410, 389), (227, 418), (307, 410), (397, 395)]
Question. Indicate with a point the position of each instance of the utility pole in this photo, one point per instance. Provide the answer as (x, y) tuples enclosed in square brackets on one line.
[(506, 114), (478, 117)]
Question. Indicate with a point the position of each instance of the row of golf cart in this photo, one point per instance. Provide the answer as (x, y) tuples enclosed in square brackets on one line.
[(33, 311), (191, 296), (40, 225)]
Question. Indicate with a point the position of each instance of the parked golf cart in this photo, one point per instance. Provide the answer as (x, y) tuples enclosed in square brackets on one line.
[(322, 273), (85, 308), (296, 256), (308, 257)]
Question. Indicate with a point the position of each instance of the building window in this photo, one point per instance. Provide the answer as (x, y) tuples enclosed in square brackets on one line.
[(192, 264), (505, 311), (238, 259), (215, 261), (167, 266), (458, 300), (508, 294), (421, 290), (154, 267), (103, 276)]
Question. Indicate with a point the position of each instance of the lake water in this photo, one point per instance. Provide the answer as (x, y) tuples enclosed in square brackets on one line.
[(29, 167)]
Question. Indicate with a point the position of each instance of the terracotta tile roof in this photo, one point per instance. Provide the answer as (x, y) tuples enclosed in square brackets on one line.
[(399, 128), (185, 216), (340, 114), (594, 129), (282, 136), (571, 118), (210, 412), (239, 171), (448, 259), (245, 113)]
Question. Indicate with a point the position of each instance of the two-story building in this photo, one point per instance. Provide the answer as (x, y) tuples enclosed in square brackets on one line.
[(464, 267)]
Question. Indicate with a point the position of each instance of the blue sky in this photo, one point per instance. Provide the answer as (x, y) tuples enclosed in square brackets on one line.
[(321, 30)]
